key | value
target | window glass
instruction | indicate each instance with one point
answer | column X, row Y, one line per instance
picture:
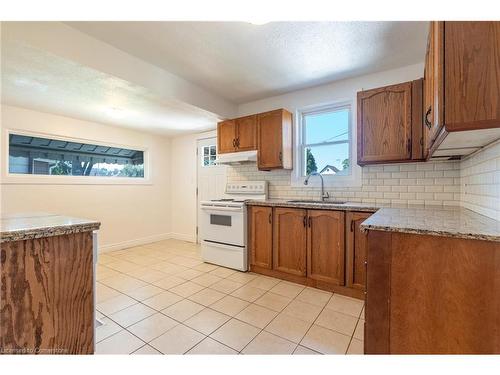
column 326, row 142
column 208, row 155
column 45, row 156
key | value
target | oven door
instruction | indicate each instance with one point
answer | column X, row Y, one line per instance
column 223, row 225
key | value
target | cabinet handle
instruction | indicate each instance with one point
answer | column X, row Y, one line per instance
column 270, row 218
column 280, row 156
column 238, row 142
column 426, row 119
column 304, row 221
column 234, row 143
column 352, row 225
column 310, row 221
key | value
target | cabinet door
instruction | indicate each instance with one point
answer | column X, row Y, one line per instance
column 384, row 124
column 325, row 246
column 246, row 138
column 226, row 136
column 261, row 236
column 289, row 250
column 472, row 75
column 356, row 250
column 270, row 140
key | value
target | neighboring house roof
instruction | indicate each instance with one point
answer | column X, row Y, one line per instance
column 329, row 168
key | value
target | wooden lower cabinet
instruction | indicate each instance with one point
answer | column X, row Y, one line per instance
column 325, row 246
column 432, row 295
column 356, row 250
column 260, row 229
column 289, row 250
column 308, row 247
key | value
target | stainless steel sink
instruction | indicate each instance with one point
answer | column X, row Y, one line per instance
column 316, row 201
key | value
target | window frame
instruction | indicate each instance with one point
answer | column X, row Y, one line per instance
column 18, row 178
column 351, row 179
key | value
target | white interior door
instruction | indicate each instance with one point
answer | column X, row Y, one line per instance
column 211, row 177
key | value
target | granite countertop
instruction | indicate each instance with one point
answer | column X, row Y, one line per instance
column 37, row 225
column 430, row 220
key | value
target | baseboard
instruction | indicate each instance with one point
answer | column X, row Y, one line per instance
column 135, row 242
column 183, row 237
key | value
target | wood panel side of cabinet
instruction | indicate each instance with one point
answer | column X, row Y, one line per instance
column 47, row 295
column 289, row 240
column 417, row 123
column 260, row 236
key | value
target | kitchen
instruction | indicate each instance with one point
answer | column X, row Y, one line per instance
column 358, row 214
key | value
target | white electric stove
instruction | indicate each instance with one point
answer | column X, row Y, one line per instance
column 223, row 225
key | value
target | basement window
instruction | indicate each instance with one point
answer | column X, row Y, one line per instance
column 30, row 155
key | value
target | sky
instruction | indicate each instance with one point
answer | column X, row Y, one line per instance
column 333, row 126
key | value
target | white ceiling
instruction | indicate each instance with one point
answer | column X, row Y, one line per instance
column 36, row 79
column 243, row 62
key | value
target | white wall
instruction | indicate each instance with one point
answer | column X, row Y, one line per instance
column 130, row 214
column 183, row 185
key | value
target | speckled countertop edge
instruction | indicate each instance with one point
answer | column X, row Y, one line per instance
column 25, row 232
column 465, row 223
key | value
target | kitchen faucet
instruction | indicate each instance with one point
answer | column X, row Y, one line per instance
column 324, row 194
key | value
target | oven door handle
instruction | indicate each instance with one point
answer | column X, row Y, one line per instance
column 216, row 208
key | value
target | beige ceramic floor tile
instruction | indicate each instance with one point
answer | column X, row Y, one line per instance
column 267, row 343
column 146, row 349
column 229, row 305
column 286, row 289
column 162, row 300
column 144, row 260
column 168, row 268
column 210, row 346
column 226, row 286
column 152, row 327
column 359, row 332
column 248, row 293
column 205, row 267
column 314, row 296
column 303, row 350
column 241, row 277
column 104, row 292
column 346, row 305
column 115, row 304
column 178, row 340
column 303, row 310
column 123, row 283
column 147, row 274
column 325, row 341
column 207, row 296
column 105, row 273
column 145, row 292
column 222, row 272
column 183, row 310
column 122, row 266
column 206, row 279
column 264, row 282
column 108, row 328
column 273, row 301
column 132, row 314
column 362, row 316
column 122, row 342
column 207, row 321
column 288, row 327
column 235, row 334
column 256, row 315
column 169, row 282
column 105, row 259
column 187, row 289
column 356, row 347
column 189, row 274
column 186, row 262
column 337, row 321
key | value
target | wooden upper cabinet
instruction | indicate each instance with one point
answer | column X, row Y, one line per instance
column 356, row 250
column 246, row 137
column 226, row 136
column 274, row 140
column 385, row 124
column 325, row 246
column 471, row 75
column 261, row 236
column 289, row 250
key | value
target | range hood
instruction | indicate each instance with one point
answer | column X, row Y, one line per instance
column 237, row 157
